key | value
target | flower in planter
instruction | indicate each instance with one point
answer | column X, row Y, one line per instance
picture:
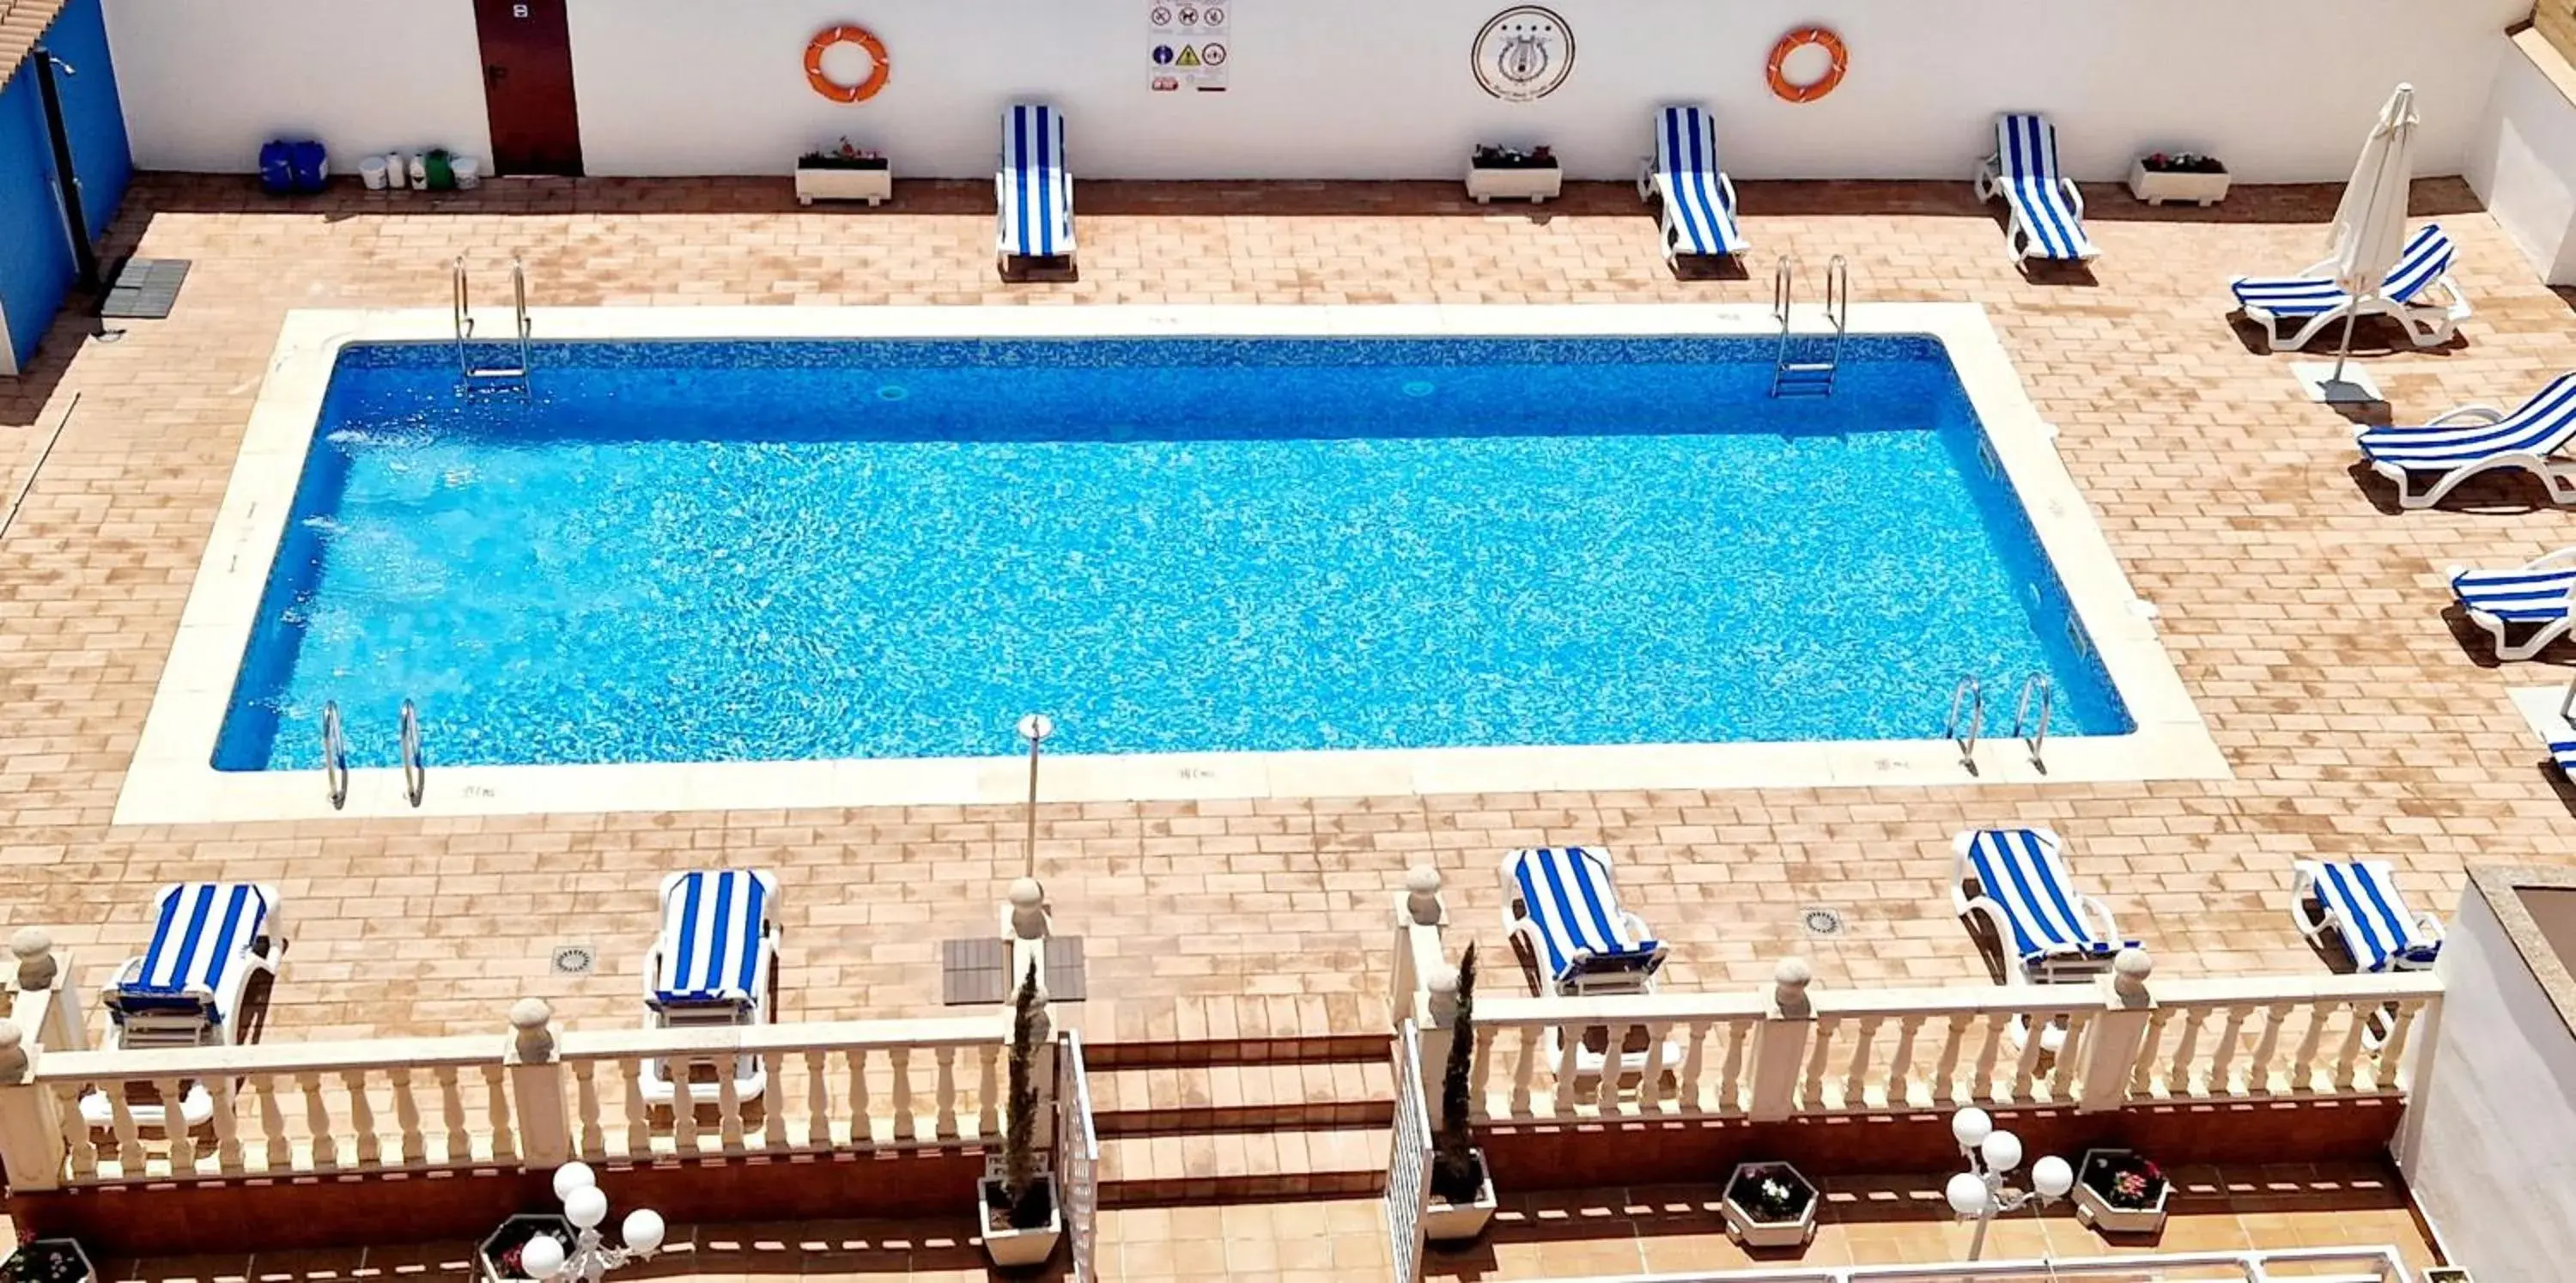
column 844, row 156
column 2184, row 162
column 1771, row 1192
column 46, row 1262
column 2125, row 1181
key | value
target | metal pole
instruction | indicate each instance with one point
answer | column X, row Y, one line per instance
column 2344, row 353
column 1977, row 1245
column 1034, row 728
column 84, row 255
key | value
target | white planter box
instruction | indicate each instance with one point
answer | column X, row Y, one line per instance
column 1532, row 185
column 1016, row 1249
column 1445, row 1222
column 2156, row 189
column 2096, row 1211
column 1741, row 1226
column 870, row 185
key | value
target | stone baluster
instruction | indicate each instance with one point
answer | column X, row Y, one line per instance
column 537, row 1085
column 31, row 1135
column 2115, row 1045
column 1780, row 1041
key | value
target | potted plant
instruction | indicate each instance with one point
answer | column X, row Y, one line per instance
column 1514, row 174
column 2118, row 1192
column 843, row 173
column 498, row 1259
column 2180, row 175
column 1021, row 1219
column 1769, row 1205
column 1462, row 1189
column 50, row 1260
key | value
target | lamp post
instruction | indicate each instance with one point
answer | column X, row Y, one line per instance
column 1034, row 728
column 1979, row 1193
column 586, row 1259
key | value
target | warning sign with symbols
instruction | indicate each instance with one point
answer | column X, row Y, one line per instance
column 1190, row 44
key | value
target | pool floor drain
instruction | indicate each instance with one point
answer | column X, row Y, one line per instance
column 1821, row 922
column 575, row 959
column 1419, row 388
column 892, row 392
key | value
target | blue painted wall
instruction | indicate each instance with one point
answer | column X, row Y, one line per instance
column 36, row 263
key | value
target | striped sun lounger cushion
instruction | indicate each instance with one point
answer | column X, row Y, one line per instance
column 2516, row 596
column 2544, row 425
column 1570, row 900
column 2426, row 259
column 1687, row 172
column 2028, row 151
column 2563, row 754
column 1036, row 217
column 2361, row 899
column 712, row 925
column 201, row 930
column 2019, row 870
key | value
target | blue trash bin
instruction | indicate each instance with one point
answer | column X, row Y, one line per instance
column 311, row 165
column 277, row 168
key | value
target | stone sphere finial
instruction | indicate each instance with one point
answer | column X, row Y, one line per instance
column 1422, row 895
column 2129, row 971
column 34, row 947
column 1443, row 986
column 530, row 1017
column 13, row 1054
column 1028, row 909
column 1789, row 981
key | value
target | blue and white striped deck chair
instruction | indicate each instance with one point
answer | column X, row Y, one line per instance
column 2525, row 608
column 2360, row 903
column 1033, row 190
column 2021, row 889
column 715, row 964
column 2479, row 438
column 1696, row 199
column 1563, row 907
column 2047, row 211
column 2419, row 292
column 208, row 940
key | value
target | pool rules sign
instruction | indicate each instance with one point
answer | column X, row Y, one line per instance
column 1190, row 44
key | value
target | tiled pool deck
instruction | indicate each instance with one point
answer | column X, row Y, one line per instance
column 2304, row 613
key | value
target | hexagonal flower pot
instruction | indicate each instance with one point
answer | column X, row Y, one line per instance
column 50, row 1260
column 1769, row 1205
column 497, row 1261
column 2117, row 1192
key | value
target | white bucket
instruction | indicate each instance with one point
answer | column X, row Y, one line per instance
column 469, row 172
column 419, row 170
column 371, row 171
column 396, row 173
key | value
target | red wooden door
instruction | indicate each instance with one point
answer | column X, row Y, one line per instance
column 527, row 86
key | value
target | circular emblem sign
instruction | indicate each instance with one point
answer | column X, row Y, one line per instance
column 1523, row 53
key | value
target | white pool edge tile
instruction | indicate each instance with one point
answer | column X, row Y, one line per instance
column 172, row 780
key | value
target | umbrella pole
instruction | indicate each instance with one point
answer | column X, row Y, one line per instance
column 2343, row 354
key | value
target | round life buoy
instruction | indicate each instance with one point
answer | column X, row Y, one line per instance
column 1791, row 91
column 878, row 72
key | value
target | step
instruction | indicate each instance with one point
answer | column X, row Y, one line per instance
column 1171, row 1099
column 1155, row 1171
column 1235, row 1030
column 1287, row 1049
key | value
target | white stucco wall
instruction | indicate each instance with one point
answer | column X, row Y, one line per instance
column 207, row 81
column 2489, row 1146
column 2522, row 162
column 2282, row 89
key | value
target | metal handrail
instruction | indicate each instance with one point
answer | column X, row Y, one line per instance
column 2036, row 738
column 415, row 767
column 464, row 316
column 1782, row 281
column 519, row 304
column 335, row 755
column 1970, row 693
column 1838, row 301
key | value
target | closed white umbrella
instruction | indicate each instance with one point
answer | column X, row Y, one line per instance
column 2370, row 224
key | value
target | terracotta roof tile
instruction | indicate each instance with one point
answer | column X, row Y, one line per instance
column 21, row 23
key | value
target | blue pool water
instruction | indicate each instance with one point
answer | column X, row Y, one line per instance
column 723, row 551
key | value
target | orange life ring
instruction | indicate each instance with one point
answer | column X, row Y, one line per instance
column 835, row 90
column 1792, row 91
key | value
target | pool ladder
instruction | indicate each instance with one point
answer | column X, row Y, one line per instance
column 2031, row 715
column 335, row 756
column 464, row 313
column 1809, row 377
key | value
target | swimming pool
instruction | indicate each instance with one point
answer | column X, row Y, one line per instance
column 729, row 551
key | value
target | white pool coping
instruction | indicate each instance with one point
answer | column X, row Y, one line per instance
column 172, row 780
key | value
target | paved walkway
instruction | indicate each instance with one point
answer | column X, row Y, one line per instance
column 2305, row 614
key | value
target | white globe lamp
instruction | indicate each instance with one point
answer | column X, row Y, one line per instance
column 586, row 1207
column 642, row 1231
column 1966, row 1194
column 2052, row 1176
column 573, row 1176
column 2002, row 1152
column 543, row 1257
column 1970, row 1127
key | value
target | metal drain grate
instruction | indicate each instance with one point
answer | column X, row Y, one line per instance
column 144, row 289
column 1821, row 922
column 974, row 972
column 575, row 959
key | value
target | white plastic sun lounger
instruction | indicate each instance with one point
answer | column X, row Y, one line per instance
column 208, row 940
column 715, row 964
column 2419, row 292
column 2021, row 888
column 2525, row 608
column 2360, row 903
column 2479, row 438
column 2047, row 212
column 1696, row 200
column 1561, row 905
column 1033, row 191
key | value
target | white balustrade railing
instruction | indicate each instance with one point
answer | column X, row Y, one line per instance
column 2086, row 1046
column 2373, row 1264
column 92, row 1117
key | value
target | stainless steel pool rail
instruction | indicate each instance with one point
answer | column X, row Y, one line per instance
column 464, row 317
column 1809, row 378
column 415, row 767
column 2034, row 736
column 335, row 756
column 1968, row 697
